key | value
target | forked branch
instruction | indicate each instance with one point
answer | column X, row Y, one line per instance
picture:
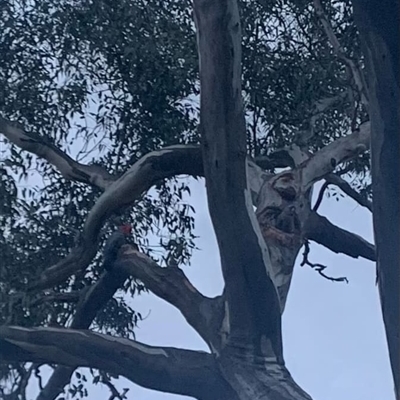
column 171, row 285
column 252, row 300
column 150, row 169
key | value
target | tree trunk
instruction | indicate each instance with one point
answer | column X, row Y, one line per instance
column 379, row 25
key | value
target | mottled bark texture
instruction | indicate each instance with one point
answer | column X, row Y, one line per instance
column 379, row 26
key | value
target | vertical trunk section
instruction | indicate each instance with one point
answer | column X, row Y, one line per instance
column 379, row 25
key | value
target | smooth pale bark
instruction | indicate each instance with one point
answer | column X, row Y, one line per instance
column 379, row 25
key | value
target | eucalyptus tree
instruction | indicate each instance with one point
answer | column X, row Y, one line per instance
column 100, row 101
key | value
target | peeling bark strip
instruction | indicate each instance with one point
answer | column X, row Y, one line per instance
column 252, row 298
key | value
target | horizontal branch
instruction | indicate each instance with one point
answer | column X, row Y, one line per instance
column 171, row 285
column 70, row 169
column 320, row 230
column 98, row 176
column 177, row 371
column 343, row 149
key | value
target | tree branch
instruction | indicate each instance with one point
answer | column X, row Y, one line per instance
column 320, row 268
column 347, row 189
column 149, row 170
column 333, row 179
column 171, row 285
column 70, row 169
column 254, row 311
column 339, row 51
column 153, row 167
column 97, row 176
column 320, row 196
column 205, row 315
column 343, row 149
column 322, row 231
column 177, row 371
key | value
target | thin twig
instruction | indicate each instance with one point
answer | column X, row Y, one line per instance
column 320, row 268
column 320, row 196
column 358, row 76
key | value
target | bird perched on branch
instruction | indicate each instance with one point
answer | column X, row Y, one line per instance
column 114, row 243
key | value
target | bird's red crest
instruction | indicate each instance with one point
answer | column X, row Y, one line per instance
column 126, row 229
